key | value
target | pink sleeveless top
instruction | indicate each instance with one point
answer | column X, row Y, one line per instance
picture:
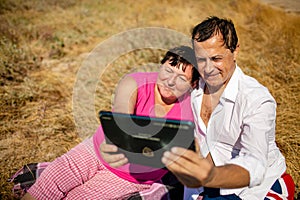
column 145, row 106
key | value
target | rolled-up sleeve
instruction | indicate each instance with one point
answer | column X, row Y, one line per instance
column 257, row 130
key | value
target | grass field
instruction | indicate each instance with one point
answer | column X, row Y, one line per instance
column 44, row 43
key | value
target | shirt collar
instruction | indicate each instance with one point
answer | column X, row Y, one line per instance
column 199, row 91
column 232, row 87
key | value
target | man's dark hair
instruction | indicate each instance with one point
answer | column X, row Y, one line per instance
column 213, row 26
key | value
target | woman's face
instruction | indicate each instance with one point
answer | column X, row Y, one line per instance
column 173, row 82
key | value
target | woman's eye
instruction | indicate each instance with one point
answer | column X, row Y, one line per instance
column 169, row 70
column 182, row 78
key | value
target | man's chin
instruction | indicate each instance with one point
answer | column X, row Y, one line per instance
column 213, row 86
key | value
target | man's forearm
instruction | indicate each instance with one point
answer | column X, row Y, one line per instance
column 229, row 176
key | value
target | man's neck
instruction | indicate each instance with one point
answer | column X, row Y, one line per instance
column 214, row 92
column 210, row 100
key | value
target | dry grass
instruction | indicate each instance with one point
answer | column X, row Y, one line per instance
column 43, row 43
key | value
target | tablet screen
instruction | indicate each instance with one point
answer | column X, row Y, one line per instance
column 143, row 139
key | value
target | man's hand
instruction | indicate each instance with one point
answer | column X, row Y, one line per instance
column 188, row 166
column 114, row 160
column 193, row 170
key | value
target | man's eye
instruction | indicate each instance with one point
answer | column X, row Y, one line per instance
column 216, row 59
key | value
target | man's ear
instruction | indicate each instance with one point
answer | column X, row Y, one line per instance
column 236, row 52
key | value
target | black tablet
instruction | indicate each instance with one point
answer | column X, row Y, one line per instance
column 143, row 139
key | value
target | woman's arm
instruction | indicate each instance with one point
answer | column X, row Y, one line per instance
column 125, row 96
column 124, row 102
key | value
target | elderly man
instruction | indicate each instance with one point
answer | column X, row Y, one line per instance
column 235, row 117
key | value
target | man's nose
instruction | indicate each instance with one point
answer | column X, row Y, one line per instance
column 209, row 66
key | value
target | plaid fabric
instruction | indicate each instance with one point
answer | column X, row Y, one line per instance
column 79, row 174
column 170, row 188
column 25, row 177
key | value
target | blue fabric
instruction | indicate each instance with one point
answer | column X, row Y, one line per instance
column 214, row 194
column 222, row 197
column 277, row 187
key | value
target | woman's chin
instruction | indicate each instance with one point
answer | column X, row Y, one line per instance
column 169, row 98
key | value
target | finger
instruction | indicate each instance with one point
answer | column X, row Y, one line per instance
column 168, row 158
column 119, row 162
column 108, row 148
column 176, row 168
column 197, row 147
column 112, row 158
column 177, row 155
column 182, row 152
column 180, row 159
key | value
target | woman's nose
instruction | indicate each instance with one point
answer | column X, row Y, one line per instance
column 172, row 80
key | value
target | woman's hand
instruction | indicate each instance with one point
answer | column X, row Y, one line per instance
column 108, row 153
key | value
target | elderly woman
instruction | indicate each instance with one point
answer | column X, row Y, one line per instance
column 85, row 173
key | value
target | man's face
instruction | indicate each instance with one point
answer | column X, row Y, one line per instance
column 215, row 62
